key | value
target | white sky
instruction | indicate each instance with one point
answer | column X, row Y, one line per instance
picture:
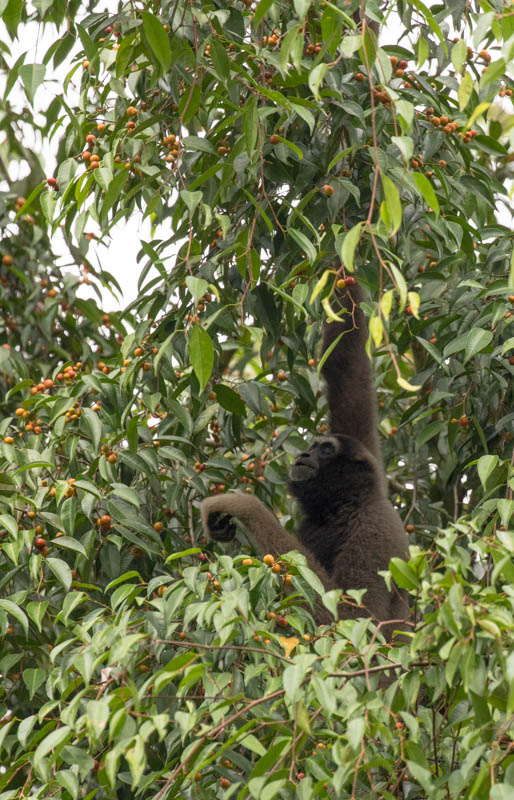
column 125, row 239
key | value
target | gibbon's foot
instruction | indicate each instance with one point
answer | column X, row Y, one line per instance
column 221, row 527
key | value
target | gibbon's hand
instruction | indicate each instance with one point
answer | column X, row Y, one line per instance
column 221, row 527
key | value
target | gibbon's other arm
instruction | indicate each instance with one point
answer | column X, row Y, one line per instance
column 351, row 393
column 266, row 533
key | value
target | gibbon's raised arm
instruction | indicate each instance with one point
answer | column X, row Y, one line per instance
column 351, row 394
column 266, row 533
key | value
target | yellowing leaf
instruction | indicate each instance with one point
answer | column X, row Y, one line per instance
column 386, row 303
column 289, row 644
column 409, row 387
column 329, row 312
column 321, row 284
column 465, row 90
column 414, row 301
column 376, row 328
column 479, row 110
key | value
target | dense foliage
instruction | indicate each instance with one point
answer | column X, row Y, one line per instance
column 277, row 149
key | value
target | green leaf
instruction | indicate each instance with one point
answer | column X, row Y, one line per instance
column 33, row 679
column 403, row 575
column 426, row 190
column 261, row 10
column 432, row 22
column 200, row 144
column 400, row 284
column 61, row 571
column 391, row 207
column 229, row 400
column 355, row 730
column 250, row 125
column 349, row 245
column 47, row 745
column 505, row 510
column 305, row 244
column 429, row 431
column 423, row 51
column 301, row 8
column 126, row 493
column 113, row 192
column 157, row 39
column 70, row 544
column 93, row 425
column 36, row 612
column 16, row 612
column 404, row 144
column 201, row 354
column 136, row 758
column 459, row 54
column 485, row 467
column 197, row 286
column 11, row 15
column 191, row 199
column 220, row 59
column 10, row 524
column 495, row 70
column 7, row 485
column 69, row 781
column 316, row 78
column 32, row 76
column 476, row 341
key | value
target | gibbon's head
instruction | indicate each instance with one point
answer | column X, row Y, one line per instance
column 334, row 466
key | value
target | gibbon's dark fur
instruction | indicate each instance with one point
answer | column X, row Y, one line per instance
column 349, row 529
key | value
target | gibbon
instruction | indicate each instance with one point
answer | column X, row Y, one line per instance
column 350, row 530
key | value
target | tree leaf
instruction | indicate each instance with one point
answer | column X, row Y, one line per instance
column 305, row 244
column 16, row 612
column 349, row 245
column 427, row 192
column 476, row 341
column 229, row 399
column 201, row 353
column 485, row 467
column 459, row 54
column 33, row 679
column 391, row 207
column 32, row 76
column 93, row 425
column 465, row 90
column 61, row 571
column 261, row 10
column 47, row 745
column 316, row 78
column 376, row 329
column 403, row 575
column 157, row 39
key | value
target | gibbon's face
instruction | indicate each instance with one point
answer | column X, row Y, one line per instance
column 320, row 454
column 333, row 461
